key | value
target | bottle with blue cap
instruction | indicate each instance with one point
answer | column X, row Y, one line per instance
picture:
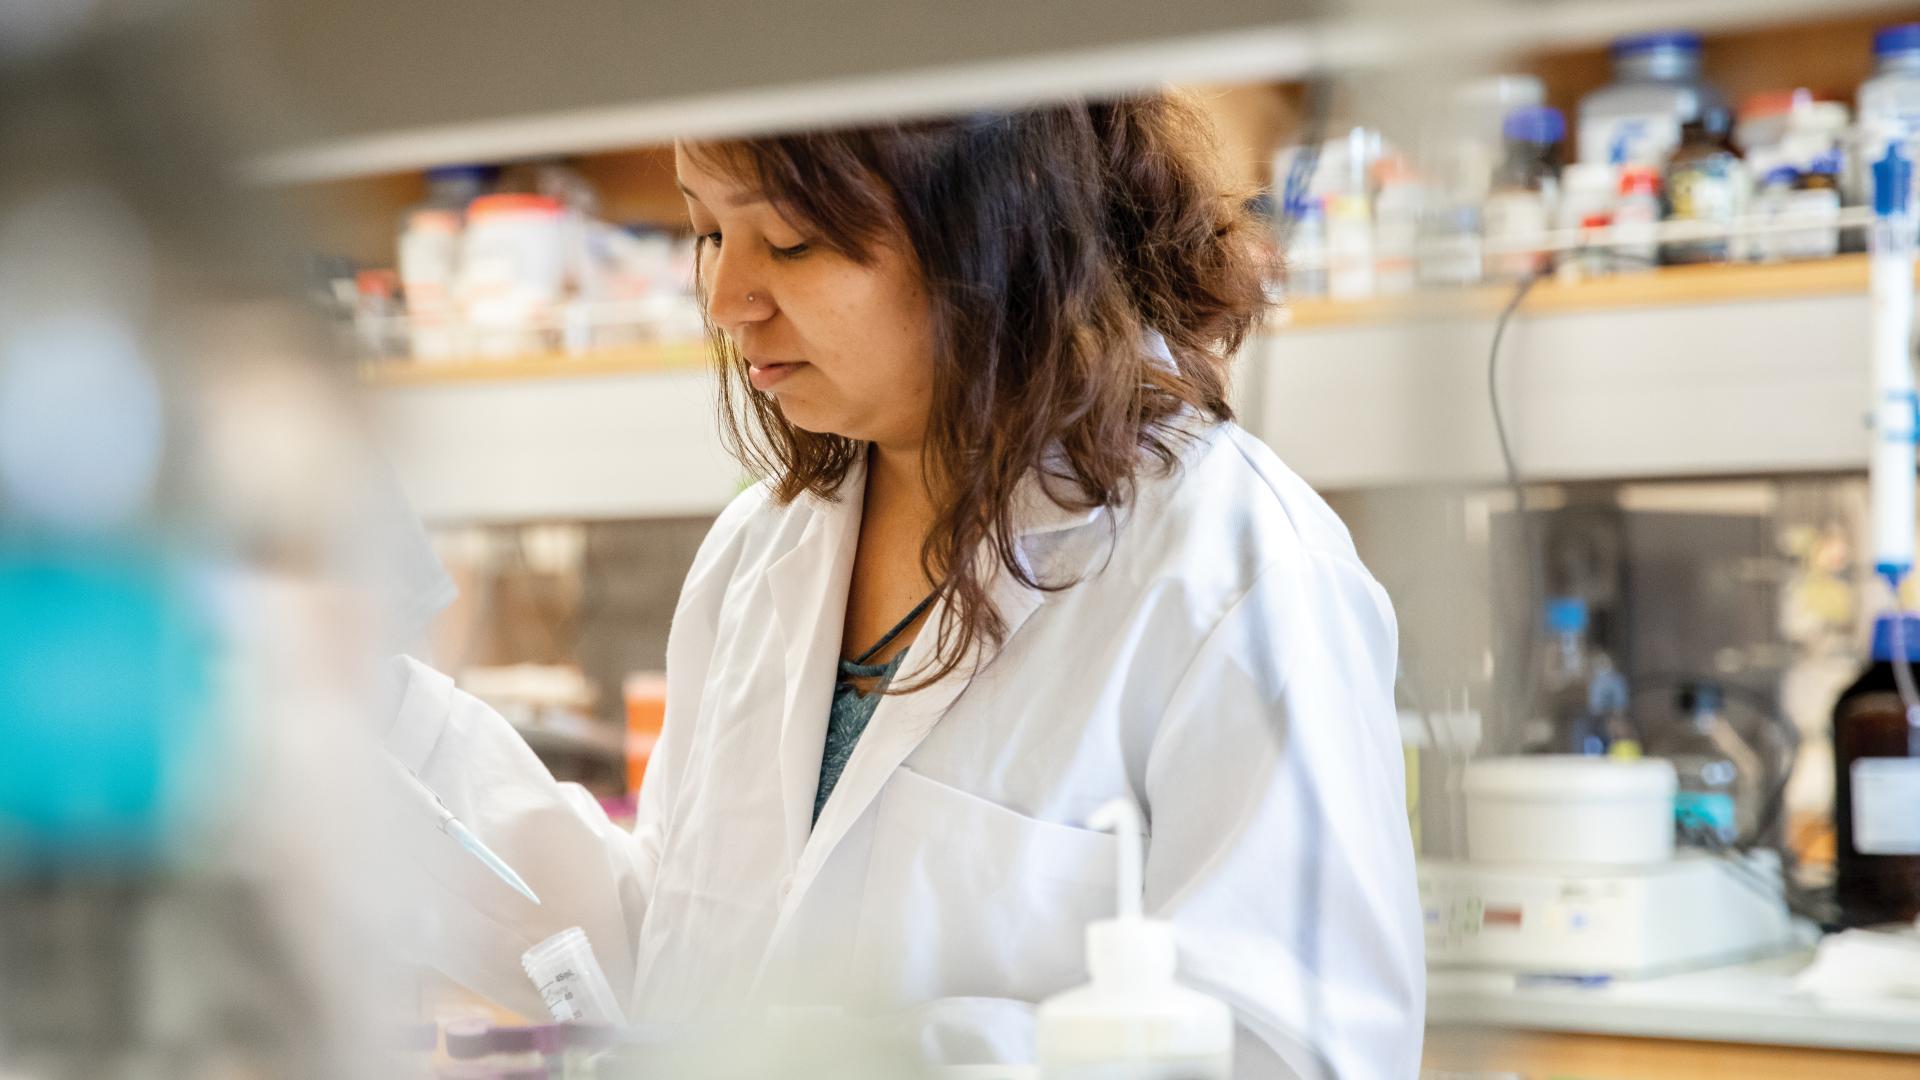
column 1656, row 89
column 1889, row 101
column 1581, row 699
column 1876, row 799
column 1525, row 192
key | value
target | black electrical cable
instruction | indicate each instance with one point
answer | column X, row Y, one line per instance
column 1520, row 705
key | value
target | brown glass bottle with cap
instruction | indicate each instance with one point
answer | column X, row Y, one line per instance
column 1876, row 776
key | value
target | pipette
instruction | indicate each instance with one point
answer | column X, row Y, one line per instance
column 465, row 837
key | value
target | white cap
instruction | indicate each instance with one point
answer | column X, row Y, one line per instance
column 1129, row 947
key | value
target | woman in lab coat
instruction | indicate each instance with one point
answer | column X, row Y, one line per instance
column 1010, row 559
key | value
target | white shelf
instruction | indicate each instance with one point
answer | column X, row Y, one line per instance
column 1662, row 380
column 1688, row 373
column 587, row 446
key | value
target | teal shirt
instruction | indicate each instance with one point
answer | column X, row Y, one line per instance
column 847, row 717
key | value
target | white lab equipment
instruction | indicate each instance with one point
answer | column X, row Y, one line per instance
column 1656, row 88
column 1624, row 921
column 1132, row 1021
column 1568, row 809
column 571, row 981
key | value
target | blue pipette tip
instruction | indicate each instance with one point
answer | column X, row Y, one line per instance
column 494, row 862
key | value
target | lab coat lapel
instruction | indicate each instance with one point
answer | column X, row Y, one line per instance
column 902, row 721
column 809, row 590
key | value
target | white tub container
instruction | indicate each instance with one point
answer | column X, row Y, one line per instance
column 1569, row 810
column 513, row 273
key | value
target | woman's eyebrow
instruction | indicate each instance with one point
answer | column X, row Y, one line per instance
column 738, row 199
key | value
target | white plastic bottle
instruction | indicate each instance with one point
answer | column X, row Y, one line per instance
column 1890, row 99
column 1132, row 1021
column 1656, row 88
column 1396, row 230
column 1349, row 248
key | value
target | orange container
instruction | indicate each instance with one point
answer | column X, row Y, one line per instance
column 646, row 696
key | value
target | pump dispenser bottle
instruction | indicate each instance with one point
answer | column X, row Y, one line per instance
column 1132, row 1021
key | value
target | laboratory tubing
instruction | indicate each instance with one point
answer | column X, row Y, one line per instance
column 1132, row 1020
column 1891, row 468
column 571, row 981
column 1656, row 88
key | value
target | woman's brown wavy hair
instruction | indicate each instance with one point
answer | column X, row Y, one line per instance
column 1050, row 240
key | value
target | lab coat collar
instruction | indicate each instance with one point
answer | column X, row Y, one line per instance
column 809, row 586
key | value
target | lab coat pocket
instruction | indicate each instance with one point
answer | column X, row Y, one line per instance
column 966, row 898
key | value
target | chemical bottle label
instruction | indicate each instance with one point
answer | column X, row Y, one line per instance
column 1886, row 806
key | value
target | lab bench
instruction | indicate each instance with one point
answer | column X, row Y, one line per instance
column 1740, row 1021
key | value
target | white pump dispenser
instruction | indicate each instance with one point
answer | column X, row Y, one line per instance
column 1132, row 1021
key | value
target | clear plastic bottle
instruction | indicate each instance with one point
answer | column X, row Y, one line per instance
column 1890, row 99
column 1707, row 185
column 1582, row 697
column 1564, row 724
column 1526, row 192
column 1656, row 88
column 1449, row 251
column 1815, row 209
column 1773, row 208
column 1719, row 798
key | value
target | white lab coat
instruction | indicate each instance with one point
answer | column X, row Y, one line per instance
column 1227, row 663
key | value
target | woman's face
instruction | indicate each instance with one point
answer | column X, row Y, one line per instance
column 843, row 348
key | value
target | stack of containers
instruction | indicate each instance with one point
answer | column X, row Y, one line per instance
column 1655, row 144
